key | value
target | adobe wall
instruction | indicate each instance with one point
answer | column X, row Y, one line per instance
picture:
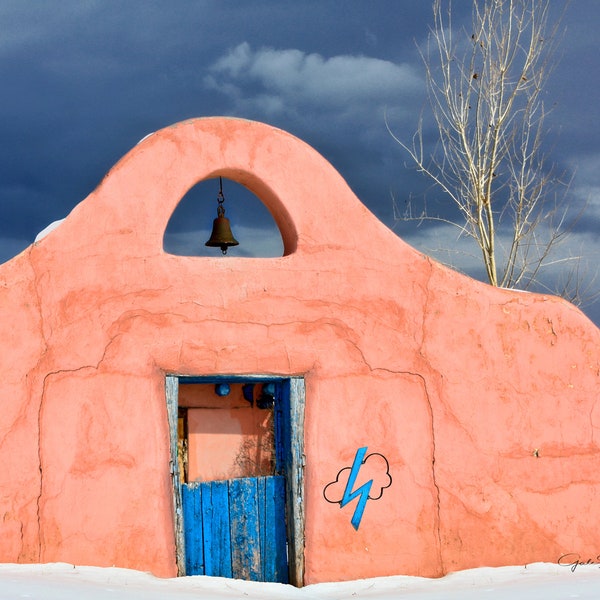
column 483, row 402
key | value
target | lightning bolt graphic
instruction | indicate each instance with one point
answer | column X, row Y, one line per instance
column 362, row 492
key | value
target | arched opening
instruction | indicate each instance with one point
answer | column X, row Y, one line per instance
column 251, row 222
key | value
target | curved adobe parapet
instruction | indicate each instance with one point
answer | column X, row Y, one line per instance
column 308, row 199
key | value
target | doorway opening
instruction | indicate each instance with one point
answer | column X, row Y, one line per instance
column 237, row 469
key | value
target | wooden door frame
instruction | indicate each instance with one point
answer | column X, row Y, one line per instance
column 293, row 462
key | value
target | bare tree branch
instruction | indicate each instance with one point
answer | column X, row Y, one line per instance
column 485, row 90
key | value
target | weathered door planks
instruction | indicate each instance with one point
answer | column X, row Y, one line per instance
column 239, row 528
column 246, row 553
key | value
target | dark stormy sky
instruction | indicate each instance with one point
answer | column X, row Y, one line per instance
column 84, row 80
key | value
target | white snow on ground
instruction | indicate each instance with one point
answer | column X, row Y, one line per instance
column 61, row 581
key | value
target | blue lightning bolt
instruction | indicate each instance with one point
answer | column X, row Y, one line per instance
column 362, row 492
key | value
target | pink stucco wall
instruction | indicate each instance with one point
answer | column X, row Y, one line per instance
column 483, row 401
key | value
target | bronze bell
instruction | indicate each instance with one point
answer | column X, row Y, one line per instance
column 221, row 236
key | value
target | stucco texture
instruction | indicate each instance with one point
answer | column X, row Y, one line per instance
column 483, row 401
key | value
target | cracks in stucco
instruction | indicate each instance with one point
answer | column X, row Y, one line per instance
column 21, row 536
column 41, row 486
column 438, row 531
column 425, row 307
column 434, row 480
column 38, row 306
column 39, row 447
column 438, row 525
column 45, row 334
column 38, row 302
column 41, row 469
column 554, row 336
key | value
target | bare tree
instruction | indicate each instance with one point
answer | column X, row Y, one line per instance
column 485, row 89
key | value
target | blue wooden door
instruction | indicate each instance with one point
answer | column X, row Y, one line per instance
column 236, row 528
column 253, row 527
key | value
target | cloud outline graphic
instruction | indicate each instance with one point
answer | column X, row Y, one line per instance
column 330, row 491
